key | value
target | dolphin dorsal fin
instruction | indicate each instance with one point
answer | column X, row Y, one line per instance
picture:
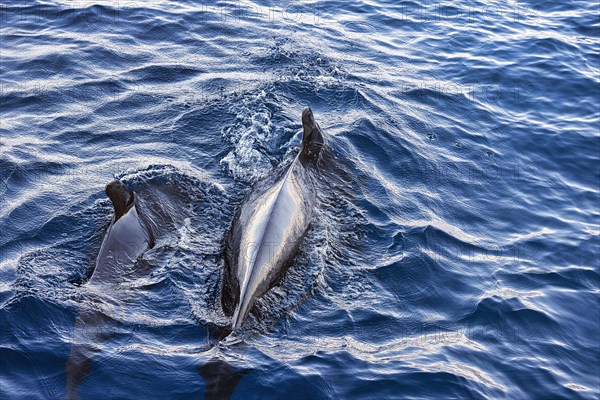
column 312, row 137
column 120, row 196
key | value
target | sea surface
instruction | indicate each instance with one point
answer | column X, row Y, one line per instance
column 455, row 245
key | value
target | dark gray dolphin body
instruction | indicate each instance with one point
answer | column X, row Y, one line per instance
column 269, row 227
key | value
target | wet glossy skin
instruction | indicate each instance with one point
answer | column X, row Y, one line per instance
column 125, row 240
column 273, row 226
column 269, row 228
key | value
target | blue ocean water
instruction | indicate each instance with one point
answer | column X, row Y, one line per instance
column 455, row 249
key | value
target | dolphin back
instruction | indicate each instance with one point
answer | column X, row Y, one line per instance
column 125, row 240
column 127, row 237
column 268, row 228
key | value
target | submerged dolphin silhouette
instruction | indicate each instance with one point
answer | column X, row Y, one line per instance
column 269, row 227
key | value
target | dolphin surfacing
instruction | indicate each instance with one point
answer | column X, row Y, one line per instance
column 269, row 227
column 127, row 238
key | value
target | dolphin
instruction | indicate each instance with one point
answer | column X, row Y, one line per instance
column 127, row 238
column 269, row 226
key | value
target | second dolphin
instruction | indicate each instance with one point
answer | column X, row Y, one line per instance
column 269, row 227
